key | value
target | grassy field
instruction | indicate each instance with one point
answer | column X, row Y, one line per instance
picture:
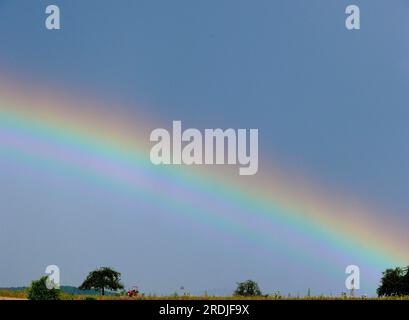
column 13, row 294
column 64, row 296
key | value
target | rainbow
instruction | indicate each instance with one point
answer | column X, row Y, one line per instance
column 281, row 213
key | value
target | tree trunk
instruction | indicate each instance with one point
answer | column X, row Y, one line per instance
column 103, row 291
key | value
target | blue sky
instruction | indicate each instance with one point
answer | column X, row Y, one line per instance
column 328, row 102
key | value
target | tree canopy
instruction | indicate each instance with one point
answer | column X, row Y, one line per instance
column 247, row 288
column 394, row 282
column 101, row 279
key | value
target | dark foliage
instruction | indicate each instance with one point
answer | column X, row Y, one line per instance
column 39, row 291
column 101, row 279
column 394, row 282
column 247, row 288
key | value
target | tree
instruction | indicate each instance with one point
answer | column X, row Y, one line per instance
column 39, row 291
column 247, row 288
column 101, row 279
column 394, row 282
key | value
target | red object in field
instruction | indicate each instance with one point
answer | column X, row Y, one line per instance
column 133, row 292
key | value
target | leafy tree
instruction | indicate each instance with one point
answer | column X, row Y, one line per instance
column 394, row 282
column 39, row 291
column 101, row 279
column 247, row 288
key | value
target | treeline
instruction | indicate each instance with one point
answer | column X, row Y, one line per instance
column 106, row 281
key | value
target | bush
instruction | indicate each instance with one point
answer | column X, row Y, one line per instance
column 39, row 291
column 247, row 289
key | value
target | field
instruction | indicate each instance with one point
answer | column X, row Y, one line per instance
column 23, row 295
column 13, row 294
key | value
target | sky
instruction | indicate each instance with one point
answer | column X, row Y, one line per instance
column 330, row 105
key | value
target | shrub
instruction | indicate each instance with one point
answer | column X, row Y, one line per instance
column 39, row 291
column 247, row 289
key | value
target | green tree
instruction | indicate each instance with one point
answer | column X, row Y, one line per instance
column 394, row 282
column 101, row 279
column 247, row 288
column 39, row 291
